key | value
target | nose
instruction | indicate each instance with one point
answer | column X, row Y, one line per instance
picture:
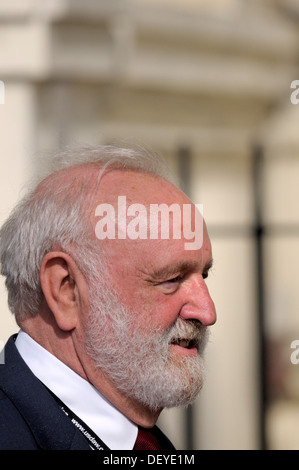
column 198, row 304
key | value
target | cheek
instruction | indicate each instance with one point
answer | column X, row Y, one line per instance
column 153, row 308
column 165, row 311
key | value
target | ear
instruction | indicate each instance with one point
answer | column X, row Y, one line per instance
column 59, row 277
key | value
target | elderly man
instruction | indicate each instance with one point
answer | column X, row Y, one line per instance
column 111, row 302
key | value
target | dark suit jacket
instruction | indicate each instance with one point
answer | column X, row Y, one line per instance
column 30, row 418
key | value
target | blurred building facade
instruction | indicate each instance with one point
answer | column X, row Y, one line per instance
column 206, row 84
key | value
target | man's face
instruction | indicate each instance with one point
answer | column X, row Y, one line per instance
column 154, row 318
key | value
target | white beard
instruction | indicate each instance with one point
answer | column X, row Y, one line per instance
column 137, row 359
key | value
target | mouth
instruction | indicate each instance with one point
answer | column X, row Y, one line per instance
column 185, row 343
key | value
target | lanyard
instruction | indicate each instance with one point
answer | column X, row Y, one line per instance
column 94, row 441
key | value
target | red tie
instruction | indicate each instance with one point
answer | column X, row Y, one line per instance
column 146, row 440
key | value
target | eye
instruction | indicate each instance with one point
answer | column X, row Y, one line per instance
column 175, row 279
column 171, row 285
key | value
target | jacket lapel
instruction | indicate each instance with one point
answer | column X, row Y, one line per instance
column 51, row 428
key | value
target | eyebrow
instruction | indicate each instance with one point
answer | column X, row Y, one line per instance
column 183, row 267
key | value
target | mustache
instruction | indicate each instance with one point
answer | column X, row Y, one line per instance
column 190, row 332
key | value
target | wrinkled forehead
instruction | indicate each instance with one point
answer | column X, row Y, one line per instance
column 128, row 255
column 141, row 207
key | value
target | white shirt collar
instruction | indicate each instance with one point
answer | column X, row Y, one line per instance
column 108, row 423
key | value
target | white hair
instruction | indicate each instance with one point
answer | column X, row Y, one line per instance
column 54, row 214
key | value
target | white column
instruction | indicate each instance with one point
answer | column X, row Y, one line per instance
column 17, row 126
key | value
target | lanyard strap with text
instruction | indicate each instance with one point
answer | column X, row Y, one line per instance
column 94, row 441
